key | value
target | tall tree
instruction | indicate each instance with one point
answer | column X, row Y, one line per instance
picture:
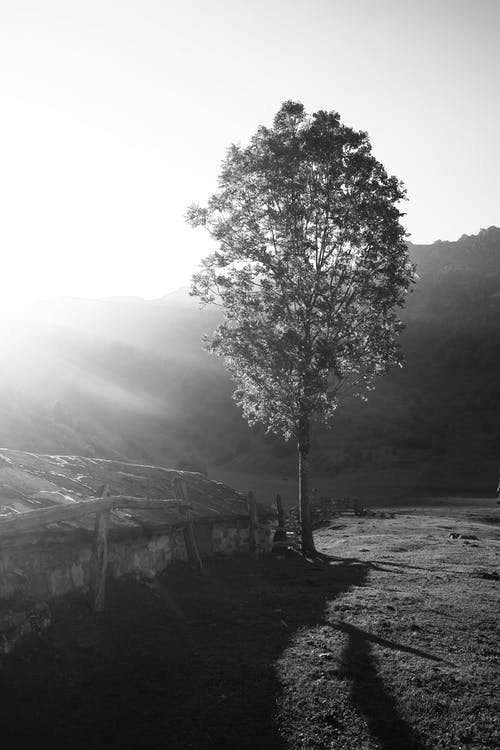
column 310, row 269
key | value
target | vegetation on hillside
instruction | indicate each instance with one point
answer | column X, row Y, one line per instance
column 130, row 379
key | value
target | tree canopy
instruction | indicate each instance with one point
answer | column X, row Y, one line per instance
column 310, row 269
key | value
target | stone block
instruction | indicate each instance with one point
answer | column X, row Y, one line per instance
column 39, row 587
column 84, row 554
column 59, row 582
column 77, row 576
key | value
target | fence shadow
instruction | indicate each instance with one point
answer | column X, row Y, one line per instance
column 186, row 662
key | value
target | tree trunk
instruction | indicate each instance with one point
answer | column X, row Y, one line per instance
column 303, row 445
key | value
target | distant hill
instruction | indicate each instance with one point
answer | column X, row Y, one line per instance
column 128, row 379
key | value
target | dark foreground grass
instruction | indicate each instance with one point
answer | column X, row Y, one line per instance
column 380, row 648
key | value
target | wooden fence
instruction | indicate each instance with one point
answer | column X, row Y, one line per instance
column 345, row 504
column 102, row 506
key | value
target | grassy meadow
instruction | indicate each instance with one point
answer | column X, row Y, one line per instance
column 390, row 644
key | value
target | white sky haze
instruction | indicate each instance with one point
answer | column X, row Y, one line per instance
column 115, row 115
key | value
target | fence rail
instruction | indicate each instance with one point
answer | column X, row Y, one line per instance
column 102, row 507
column 343, row 504
column 33, row 519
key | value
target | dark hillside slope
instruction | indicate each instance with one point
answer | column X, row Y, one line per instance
column 128, row 379
column 441, row 412
column 452, row 343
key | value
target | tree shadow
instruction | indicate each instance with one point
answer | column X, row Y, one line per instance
column 351, row 630
column 370, row 564
column 369, row 694
column 399, row 565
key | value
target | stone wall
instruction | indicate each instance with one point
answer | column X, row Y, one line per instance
column 25, row 621
column 230, row 539
column 44, row 568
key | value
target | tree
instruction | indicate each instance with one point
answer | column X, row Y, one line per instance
column 310, row 270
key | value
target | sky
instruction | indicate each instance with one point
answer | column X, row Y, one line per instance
column 115, row 115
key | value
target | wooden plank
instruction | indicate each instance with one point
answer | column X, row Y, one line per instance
column 253, row 526
column 99, row 560
column 145, row 503
column 181, row 491
column 190, row 541
column 33, row 519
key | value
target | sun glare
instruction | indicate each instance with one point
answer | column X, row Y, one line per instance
column 74, row 225
column 113, row 122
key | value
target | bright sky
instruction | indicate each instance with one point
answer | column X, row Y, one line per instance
column 115, row 115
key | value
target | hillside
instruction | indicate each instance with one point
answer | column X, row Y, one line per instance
column 128, row 379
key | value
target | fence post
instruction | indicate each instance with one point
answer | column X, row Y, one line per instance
column 279, row 538
column 181, row 491
column 253, row 526
column 281, row 515
column 99, row 563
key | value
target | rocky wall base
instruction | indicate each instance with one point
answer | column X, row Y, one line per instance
column 36, row 568
column 23, row 620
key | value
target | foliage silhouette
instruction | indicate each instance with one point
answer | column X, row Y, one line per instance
column 311, row 267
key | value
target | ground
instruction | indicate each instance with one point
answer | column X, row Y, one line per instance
column 391, row 644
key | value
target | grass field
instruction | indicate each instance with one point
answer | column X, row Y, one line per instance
column 392, row 644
